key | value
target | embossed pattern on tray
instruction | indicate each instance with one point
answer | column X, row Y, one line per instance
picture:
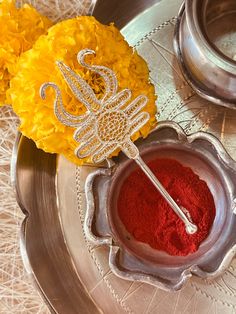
column 176, row 102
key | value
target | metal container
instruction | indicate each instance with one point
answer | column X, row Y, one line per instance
column 204, row 43
column 133, row 260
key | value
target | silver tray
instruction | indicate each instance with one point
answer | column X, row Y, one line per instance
column 72, row 274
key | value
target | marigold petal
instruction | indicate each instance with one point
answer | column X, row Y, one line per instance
column 20, row 28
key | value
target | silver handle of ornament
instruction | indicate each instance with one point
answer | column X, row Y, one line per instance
column 190, row 227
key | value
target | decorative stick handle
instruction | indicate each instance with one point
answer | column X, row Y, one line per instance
column 190, row 227
column 119, row 123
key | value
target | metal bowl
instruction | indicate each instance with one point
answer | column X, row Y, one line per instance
column 204, row 44
column 133, row 260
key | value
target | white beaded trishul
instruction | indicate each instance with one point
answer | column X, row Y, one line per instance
column 108, row 123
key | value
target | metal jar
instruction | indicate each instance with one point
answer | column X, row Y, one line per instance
column 205, row 46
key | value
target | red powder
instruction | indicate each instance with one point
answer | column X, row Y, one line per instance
column 148, row 217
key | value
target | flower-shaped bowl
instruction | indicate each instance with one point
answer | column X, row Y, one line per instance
column 133, row 260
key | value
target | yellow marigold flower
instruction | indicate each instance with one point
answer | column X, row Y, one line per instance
column 20, row 28
column 37, row 66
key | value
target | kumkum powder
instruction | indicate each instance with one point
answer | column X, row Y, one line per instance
column 147, row 216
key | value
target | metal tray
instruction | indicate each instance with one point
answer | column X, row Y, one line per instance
column 73, row 275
